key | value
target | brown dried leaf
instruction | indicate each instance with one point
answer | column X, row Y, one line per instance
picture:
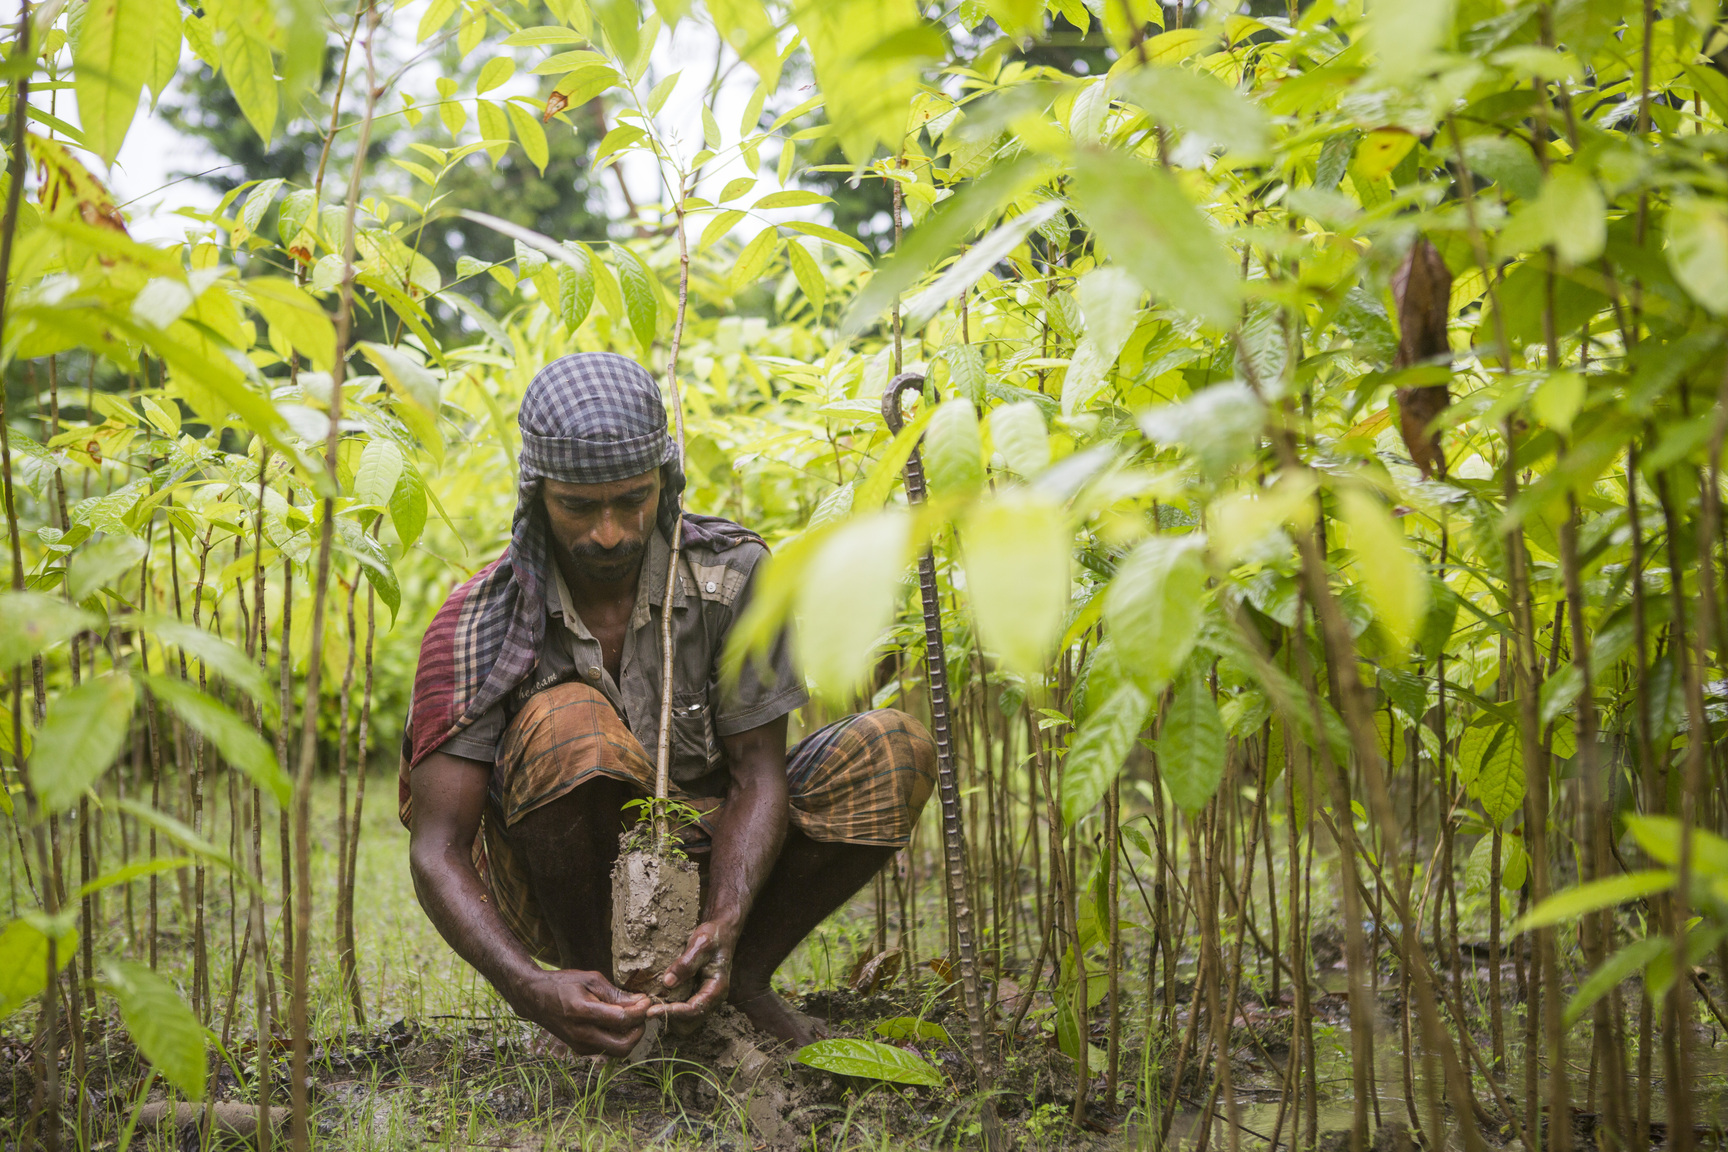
column 873, row 972
column 1422, row 289
column 555, row 104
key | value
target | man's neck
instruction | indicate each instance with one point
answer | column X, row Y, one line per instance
column 604, row 595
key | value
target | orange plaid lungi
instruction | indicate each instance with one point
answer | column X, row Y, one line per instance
column 861, row 780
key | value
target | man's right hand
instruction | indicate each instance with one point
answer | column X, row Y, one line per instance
column 585, row 1011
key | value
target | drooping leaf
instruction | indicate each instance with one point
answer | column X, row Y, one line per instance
column 220, row 656
column 243, row 31
column 31, row 622
column 1592, row 896
column 1623, row 965
column 953, row 451
column 1141, row 216
column 160, row 1023
column 84, row 731
column 408, row 506
column 1697, row 251
column 1191, row 745
column 295, row 314
column 1154, row 606
column 1017, row 577
column 871, row 1060
column 973, row 263
column 24, row 963
column 110, row 67
column 1018, row 433
column 1396, row 582
column 1101, row 747
column 641, row 300
column 239, row 743
column 380, row 468
column 858, row 565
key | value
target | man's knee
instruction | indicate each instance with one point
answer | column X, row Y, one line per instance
column 905, row 737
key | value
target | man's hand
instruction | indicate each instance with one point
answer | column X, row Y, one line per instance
column 709, row 956
column 585, row 1011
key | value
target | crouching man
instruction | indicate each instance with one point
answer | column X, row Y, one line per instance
column 537, row 704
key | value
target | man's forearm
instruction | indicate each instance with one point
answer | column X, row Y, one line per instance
column 457, row 903
column 747, row 842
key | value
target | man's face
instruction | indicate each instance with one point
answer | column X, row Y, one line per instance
column 603, row 528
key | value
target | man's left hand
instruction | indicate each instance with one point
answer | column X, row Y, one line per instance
column 708, row 957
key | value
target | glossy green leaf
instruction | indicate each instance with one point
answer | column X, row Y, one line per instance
column 408, row 506
column 1191, row 745
column 243, row 31
column 871, row 1060
column 1395, row 580
column 953, row 451
column 380, row 468
column 84, row 731
column 160, row 1023
column 531, row 135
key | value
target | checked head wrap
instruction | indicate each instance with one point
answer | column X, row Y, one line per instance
column 587, row 418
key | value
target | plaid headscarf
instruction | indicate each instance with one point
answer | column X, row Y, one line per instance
column 587, row 418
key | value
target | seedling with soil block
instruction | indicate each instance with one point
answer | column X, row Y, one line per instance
column 656, row 899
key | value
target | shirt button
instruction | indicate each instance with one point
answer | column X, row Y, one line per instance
column 593, row 673
column 711, row 586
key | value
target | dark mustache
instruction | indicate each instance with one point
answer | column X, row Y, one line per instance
column 617, row 556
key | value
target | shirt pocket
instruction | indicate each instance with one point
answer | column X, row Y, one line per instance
column 695, row 748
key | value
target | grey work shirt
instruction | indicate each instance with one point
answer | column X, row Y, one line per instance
column 711, row 593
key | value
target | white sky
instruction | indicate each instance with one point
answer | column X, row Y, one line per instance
column 144, row 176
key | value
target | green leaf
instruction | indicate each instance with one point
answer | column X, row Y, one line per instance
column 84, row 731
column 1623, row 965
column 959, row 276
column 292, row 311
column 1016, row 552
column 722, row 223
column 112, row 60
column 538, row 36
column 161, row 1024
column 24, row 963
column 1593, row 896
column 1142, row 218
column 494, row 128
column 1018, row 434
column 164, row 50
column 407, row 376
column 1576, row 213
column 496, row 73
column 239, row 743
column 243, row 31
column 946, row 226
column 1698, row 251
column 1660, row 837
column 408, row 506
column 1491, row 769
column 131, row 872
column 380, row 468
column 809, row 274
column 438, row 13
column 954, row 451
column 1200, row 104
column 530, row 133
column 641, row 298
column 98, row 565
column 883, row 474
column 1191, row 745
column 913, row 1028
column 1405, row 34
column 219, row 655
column 1395, row 581
column 791, row 198
column 182, row 835
column 1100, row 748
column 859, row 564
column 871, row 1060
column 1154, row 606
column 754, row 258
column 1110, row 302
column 576, row 288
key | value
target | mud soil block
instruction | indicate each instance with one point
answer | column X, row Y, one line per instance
column 656, row 902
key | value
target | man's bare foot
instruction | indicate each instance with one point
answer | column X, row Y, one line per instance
column 768, row 1012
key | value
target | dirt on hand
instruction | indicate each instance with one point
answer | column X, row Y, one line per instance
column 656, row 903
